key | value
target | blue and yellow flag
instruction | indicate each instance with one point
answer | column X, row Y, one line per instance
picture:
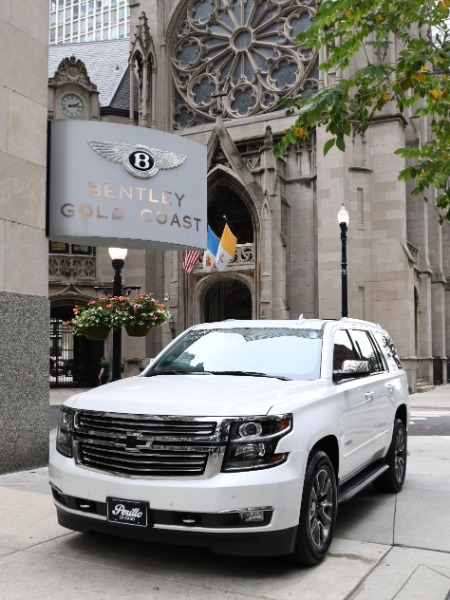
column 209, row 256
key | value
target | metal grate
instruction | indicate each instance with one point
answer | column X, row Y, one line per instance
column 114, row 424
column 145, row 463
column 144, row 446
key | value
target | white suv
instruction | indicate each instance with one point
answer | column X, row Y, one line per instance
column 241, row 436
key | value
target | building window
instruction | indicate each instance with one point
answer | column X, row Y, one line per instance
column 103, row 17
column 76, row 249
column 246, row 48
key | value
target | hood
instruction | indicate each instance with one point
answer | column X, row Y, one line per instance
column 193, row 395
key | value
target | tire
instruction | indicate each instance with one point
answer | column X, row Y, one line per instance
column 392, row 480
column 318, row 511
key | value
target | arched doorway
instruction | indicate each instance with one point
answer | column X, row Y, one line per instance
column 229, row 299
column 74, row 360
column 224, row 202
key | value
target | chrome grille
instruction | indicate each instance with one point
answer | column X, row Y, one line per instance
column 145, row 446
column 116, row 424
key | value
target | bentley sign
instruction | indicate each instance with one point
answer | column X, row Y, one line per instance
column 120, row 185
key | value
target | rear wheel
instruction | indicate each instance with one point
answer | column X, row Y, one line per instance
column 393, row 479
column 318, row 511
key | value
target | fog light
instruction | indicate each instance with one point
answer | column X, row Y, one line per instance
column 251, row 516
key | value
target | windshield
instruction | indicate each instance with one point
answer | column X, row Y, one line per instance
column 276, row 351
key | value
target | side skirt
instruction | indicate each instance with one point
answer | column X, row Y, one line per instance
column 360, row 481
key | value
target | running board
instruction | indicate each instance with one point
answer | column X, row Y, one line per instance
column 358, row 483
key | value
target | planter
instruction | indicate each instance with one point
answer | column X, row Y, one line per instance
column 97, row 334
column 137, row 330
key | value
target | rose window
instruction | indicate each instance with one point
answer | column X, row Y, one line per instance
column 239, row 57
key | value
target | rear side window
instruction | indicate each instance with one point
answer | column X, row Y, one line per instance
column 389, row 350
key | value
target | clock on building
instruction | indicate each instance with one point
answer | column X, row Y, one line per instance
column 72, row 105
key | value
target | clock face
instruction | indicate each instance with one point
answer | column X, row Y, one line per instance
column 72, row 105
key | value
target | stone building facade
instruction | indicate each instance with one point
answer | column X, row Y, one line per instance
column 215, row 71
column 23, row 246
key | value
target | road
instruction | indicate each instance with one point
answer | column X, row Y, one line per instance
column 429, row 422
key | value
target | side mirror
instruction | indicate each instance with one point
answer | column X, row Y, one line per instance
column 351, row 369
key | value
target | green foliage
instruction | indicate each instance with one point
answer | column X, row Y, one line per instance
column 417, row 83
column 119, row 311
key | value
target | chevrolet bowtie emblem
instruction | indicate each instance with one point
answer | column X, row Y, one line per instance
column 139, row 160
column 131, row 442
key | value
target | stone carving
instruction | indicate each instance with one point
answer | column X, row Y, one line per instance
column 248, row 45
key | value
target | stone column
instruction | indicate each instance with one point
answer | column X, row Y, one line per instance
column 24, row 308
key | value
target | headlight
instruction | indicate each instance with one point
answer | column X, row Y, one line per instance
column 253, row 441
column 64, row 432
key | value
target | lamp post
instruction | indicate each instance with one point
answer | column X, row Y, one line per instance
column 172, row 327
column 118, row 260
column 343, row 220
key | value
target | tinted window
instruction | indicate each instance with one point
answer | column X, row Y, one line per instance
column 367, row 350
column 389, row 350
column 343, row 350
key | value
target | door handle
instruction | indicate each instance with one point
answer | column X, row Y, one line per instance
column 369, row 396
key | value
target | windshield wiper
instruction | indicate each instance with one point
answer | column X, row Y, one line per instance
column 237, row 373
column 249, row 374
column 176, row 372
column 170, row 372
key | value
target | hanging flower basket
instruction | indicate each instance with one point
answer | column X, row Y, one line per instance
column 139, row 315
column 100, row 315
column 137, row 330
column 97, row 334
column 95, row 320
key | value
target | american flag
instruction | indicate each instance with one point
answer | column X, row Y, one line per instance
column 190, row 258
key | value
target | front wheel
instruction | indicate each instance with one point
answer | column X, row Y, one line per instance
column 318, row 511
column 392, row 481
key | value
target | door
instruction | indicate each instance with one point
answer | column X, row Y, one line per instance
column 355, row 398
column 229, row 299
column 74, row 360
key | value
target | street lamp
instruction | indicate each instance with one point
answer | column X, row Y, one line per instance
column 343, row 220
column 118, row 260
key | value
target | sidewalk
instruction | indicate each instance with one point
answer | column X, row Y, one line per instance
column 386, row 547
column 437, row 398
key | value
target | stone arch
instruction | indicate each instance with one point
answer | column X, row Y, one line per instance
column 142, row 66
column 225, row 281
column 238, row 204
column 81, row 354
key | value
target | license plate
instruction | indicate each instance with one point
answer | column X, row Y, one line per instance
column 127, row 512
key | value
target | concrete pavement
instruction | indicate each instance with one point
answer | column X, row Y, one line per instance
column 385, row 546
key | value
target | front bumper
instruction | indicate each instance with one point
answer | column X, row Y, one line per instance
column 210, row 506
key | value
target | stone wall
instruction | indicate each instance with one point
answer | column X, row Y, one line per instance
column 24, row 313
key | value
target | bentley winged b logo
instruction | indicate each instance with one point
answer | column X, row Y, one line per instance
column 139, row 160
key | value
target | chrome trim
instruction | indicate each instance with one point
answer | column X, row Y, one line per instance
column 246, row 509
column 156, row 446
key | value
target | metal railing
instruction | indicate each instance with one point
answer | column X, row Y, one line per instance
column 437, row 370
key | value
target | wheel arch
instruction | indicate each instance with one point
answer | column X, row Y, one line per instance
column 402, row 414
column 329, row 444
